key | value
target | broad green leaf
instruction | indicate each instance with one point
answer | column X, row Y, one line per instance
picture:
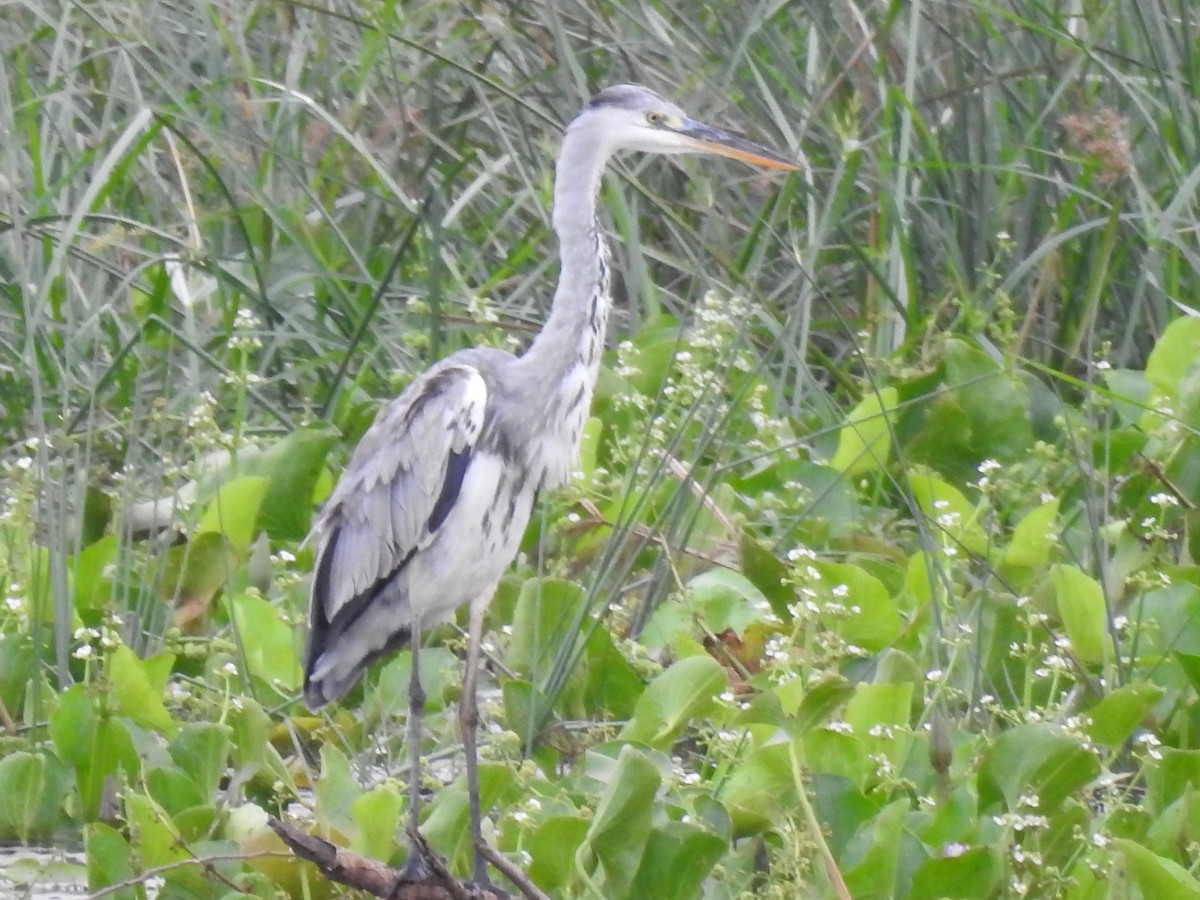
column 157, row 841
column 760, row 787
column 547, row 614
column 1116, row 717
column 546, row 620
column 196, row 571
column 1172, row 617
column 447, row 826
column 678, row 858
column 92, row 586
column 1175, row 352
column 617, row 836
column 1156, row 876
column 816, row 700
column 32, row 789
column 252, row 752
column 335, row 791
column 201, row 750
column 873, row 856
column 95, row 745
column 589, row 446
column 552, row 850
column 613, row 684
column 768, row 573
column 973, row 873
column 233, row 512
column 293, row 466
column 865, row 441
column 996, row 404
column 73, row 725
column 173, row 790
column 268, row 642
column 138, row 688
column 724, row 599
column 879, row 715
column 1084, row 613
column 871, row 619
column 684, row 691
column 1034, row 536
column 1036, row 758
column 952, row 515
column 109, row 861
column 377, row 814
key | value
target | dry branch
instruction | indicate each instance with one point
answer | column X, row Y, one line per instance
column 377, row 878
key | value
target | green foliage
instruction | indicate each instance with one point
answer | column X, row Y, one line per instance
column 880, row 575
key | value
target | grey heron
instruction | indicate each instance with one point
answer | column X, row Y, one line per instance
column 431, row 509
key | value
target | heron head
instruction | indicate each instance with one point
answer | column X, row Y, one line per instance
column 632, row 117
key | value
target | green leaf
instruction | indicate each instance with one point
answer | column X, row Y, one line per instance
column 201, row 750
column 589, row 446
column 251, row 750
column 1036, row 758
column 769, row 574
column 73, row 725
column 1034, row 536
column 546, row 615
column 92, row 586
column 109, row 861
column 995, row 404
column 1154, row 875
column 872, row 619
column 952, row 513
column 32, row 789
column 973, row 873
column 684, row 691
column 138, row 687
column 1116, row 716
column 233, row 512
column 677, row 859
column 293, row 466
column 197, row 570
column 335, row 791
column 1174, row 354
column 865, row 441
column 1084, row 613
column 617, row 836
column 377, row 815
column 613, row 684
column 268, row 642
column 725, row 599
column 873, row 857
column 447, row 826
column 760, row 787
column 95, row 745
column 879, row 715
column 552, row 850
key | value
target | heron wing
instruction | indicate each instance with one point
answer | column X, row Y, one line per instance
column 400, row 485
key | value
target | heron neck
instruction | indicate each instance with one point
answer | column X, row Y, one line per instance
column 574, row 332
column 558, row 372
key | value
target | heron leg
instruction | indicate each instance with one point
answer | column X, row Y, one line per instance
column 415, row 868
column 468, row 720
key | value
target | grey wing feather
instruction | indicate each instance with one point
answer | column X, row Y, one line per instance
column 398, row 488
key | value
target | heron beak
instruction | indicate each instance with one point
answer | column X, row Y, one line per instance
column 707, row 139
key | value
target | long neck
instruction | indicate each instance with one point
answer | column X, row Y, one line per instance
column 574, row 332
column 560, row 367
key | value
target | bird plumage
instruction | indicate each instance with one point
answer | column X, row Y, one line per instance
column 432, row 506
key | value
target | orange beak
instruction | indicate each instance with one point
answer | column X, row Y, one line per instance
column 707, row 139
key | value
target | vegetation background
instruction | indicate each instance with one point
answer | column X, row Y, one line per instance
column 880, row 578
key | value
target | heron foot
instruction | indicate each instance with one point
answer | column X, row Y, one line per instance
column 414, row 871
column 486, row 888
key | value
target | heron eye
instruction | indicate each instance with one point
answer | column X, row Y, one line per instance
column 654, row 118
